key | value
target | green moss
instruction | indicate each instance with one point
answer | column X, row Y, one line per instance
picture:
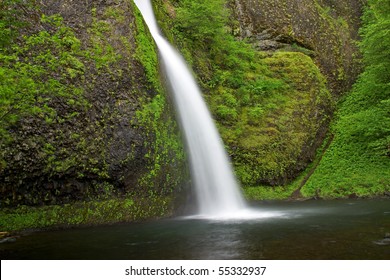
column 50, row 77
column 67, row 149
column 30, row 63
column 115, row 13
column 165, row 154
column 279, row 124
column 146, row 51
column 84, row 213
column 49, row 67
column 268, row 193
column 100, row 50
column 165, row 157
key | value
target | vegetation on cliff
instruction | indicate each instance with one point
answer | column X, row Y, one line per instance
column 328, row 29
column 84, row 120
column 104, row 211
column 357, row 162
column 272, row 109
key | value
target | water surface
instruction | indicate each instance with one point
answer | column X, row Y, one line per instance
column 345, row 229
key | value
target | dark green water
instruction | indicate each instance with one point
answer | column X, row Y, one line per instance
column 347, row 229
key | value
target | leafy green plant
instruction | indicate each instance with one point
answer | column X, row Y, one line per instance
column 358, row 160
column 201, row 21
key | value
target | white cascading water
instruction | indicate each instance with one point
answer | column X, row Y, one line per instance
column 218, row 194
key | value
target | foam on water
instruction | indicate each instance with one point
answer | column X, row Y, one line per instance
column 242, row 215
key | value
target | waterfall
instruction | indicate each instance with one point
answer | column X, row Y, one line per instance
column 217, row 192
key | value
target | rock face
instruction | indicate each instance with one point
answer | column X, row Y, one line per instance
column 101, row 142
column 328, row 29
column 101, row 125
column 275, row 114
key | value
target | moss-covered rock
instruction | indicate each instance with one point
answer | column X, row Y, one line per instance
column 281, row 132
column 107, row 211
column 326, row 27
column 92, row 77
column 272, row 108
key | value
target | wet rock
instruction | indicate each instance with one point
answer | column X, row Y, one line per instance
column 10, row 239
column 353, row 196
column 385, row 241
column 86, row 147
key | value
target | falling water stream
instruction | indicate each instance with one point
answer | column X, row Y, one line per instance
column 218, row 194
